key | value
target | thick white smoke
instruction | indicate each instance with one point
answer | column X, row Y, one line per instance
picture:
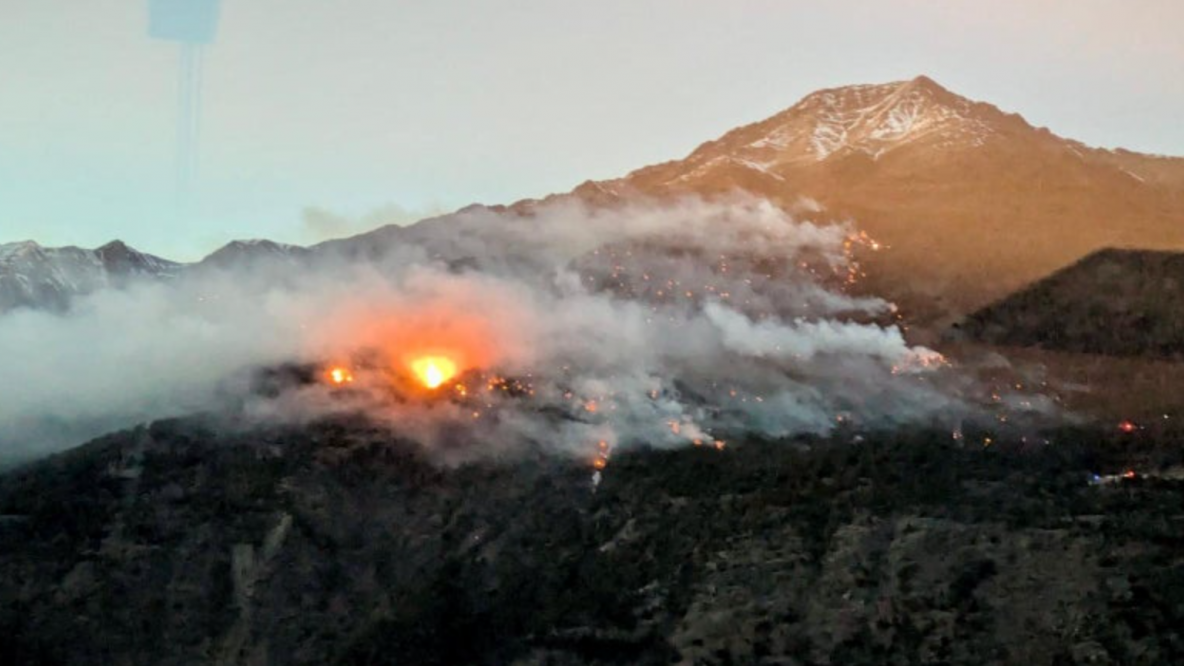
column 658, row 324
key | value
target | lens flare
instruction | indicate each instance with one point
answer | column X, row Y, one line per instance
column 432, row 371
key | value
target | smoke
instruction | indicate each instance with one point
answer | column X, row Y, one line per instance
column 574, row 329
column 319, row 224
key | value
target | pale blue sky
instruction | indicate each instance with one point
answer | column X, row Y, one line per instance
column 353, row 105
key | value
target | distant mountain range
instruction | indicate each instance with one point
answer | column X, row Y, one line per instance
column 44, row 277
column 32, row 276
column 969, row 203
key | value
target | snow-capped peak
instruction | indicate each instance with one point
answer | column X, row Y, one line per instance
column 875, row 119
column 11, row 251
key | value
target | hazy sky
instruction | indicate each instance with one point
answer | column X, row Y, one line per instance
column 356, row 105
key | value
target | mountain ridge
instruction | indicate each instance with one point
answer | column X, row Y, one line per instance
column 974, row 207
column 972, row 202
column 969, row 202
column 50, row 278
column 1113, row 302
column 32, row 275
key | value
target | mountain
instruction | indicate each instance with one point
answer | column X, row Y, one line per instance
column 32, row 276
column 968, row 203
column 48, row 278
column 828, row 125
column 254, row 253
column 337, row 543
column 1113, row 302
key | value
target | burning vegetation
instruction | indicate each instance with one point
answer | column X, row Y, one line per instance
column 556, row 328
column 340, row 375
column 433, row 371
column 666, row 327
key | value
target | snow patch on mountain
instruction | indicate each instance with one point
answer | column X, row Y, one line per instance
column 44, row 277
column 868, row 119
column 877, row 119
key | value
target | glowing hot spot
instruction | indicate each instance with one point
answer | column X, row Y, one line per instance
column 432, row 371
column 341, row 376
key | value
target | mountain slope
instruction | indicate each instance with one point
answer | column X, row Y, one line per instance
column 1114, row 302
column 48, row 278
column 256, row 253
column 969, row 202
column 336, row 543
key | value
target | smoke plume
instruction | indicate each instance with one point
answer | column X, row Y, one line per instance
column 572, row 329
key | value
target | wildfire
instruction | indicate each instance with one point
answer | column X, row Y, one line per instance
column 601, row 459
column 340, row 375
column 433, row 371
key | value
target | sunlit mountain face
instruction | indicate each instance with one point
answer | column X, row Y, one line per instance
column 968, row 202
column 965, row 202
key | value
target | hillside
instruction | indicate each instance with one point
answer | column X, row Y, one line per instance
column 1113, row 302
column 336, row 543
column 969, row 203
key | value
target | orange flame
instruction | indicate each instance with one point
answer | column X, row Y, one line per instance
column 340, row 375
column 601, row 459
column 432, row 371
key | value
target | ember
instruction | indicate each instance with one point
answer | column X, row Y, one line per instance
column 601, row 460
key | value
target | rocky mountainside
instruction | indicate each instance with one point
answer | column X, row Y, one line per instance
column 969, row 202
column 184, row 543
column 1114, row 302
column 43, row 277
column 49, row 278
column 255, row 253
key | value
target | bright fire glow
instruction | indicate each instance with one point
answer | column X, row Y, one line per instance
column 340, row 376
column 433, row 371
